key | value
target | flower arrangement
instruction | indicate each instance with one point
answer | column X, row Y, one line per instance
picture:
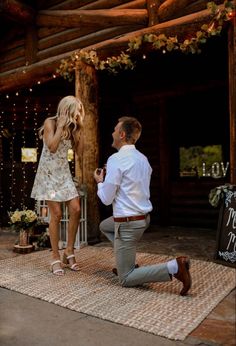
column 219, row 193
column 22, row 219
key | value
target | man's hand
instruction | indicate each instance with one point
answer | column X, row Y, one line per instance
column 98, row 175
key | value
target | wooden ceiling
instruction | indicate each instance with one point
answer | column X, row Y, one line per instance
column 36, row 35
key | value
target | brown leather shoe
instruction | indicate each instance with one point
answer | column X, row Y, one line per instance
column 114, row 270
column 183, row 274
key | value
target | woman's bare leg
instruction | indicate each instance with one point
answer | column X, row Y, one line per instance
column 74, row 219
column 55, row 218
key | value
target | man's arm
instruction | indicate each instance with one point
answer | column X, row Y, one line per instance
column 107, row 189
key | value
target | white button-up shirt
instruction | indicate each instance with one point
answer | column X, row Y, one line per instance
column 127, row 181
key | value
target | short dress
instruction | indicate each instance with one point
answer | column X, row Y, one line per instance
column 53, row 180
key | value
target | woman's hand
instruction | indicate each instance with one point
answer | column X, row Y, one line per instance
column 61, row 121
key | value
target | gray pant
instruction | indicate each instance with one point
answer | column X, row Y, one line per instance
column 124, row 237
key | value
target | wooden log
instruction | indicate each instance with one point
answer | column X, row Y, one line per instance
column 44, row 31
column 170, row 7
column 194, row 7
column 87, row 90
column 63, row 37
column 17, row 11
column 18, row 42
column 12, row 55
column 29, row 75
column 181, row 26
column 31, row 44
column 83, row 41
column 133, row 4
column 152, row 6
column 232, row 99
column 73, row 4
column 93, row 18
column 101, row 4
column 14, row 64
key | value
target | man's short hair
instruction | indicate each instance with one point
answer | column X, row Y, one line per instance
column 132, row 128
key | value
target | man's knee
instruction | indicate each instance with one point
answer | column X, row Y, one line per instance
column 107, row 225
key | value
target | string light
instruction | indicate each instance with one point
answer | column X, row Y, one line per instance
column 14, row 125
column 12, row 160
column 1, row 161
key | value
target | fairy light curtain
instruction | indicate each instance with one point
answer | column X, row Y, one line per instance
column 22, row 112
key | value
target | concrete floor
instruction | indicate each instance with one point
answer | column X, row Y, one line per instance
column 28, row 321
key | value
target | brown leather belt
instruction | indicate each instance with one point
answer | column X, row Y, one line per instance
column 130, row 218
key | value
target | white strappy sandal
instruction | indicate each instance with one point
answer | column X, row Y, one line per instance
column 55, row 269
column 71, row 262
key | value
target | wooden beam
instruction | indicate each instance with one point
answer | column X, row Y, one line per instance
column 29, row 75
column 83, row 41
column 169, row 7
column 31, row 44
column 17, row 11
column 93, row 18
column 101, row 4
column 87, row 4
column 26, row 76
column 232, row 99
column 86, row 87
column 179, row 26
column 152, row 6
column 135, row 4
column 196, row 6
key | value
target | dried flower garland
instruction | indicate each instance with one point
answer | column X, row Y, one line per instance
column 161, row 42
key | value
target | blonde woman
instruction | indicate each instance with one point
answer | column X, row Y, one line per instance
column 53, row 180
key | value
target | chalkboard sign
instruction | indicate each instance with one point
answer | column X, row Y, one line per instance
column 226, row 232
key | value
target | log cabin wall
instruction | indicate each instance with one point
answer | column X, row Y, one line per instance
column 182, row 103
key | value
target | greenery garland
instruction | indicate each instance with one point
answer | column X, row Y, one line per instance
column 218, row 193
column 125, row 61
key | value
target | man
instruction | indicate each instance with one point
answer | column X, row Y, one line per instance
column 126, row 187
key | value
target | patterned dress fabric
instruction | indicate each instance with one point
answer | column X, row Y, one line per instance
column 53, row 180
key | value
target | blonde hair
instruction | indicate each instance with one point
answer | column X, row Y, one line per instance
column 73, row 108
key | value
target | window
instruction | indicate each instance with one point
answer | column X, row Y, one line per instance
column 199, row 161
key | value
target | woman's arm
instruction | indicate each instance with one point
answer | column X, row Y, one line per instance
column 52, row 133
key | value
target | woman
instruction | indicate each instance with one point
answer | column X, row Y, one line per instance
column 53, row 180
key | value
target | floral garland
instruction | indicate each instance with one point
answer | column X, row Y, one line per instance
column 124, row 61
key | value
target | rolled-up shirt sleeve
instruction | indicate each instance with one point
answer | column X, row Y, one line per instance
column 106, row 192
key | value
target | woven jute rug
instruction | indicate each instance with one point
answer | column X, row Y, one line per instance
column 155, row 308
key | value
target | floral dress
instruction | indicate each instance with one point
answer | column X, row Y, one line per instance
column 53, row 180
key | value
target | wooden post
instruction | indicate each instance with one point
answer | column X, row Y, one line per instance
column 88, row 157
column 31, row 44
column 152, row 7
column 232, row 98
